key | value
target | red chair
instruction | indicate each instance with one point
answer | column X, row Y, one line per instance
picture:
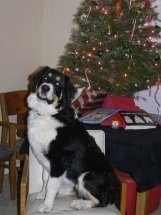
column 130, row 193
column 139, row 203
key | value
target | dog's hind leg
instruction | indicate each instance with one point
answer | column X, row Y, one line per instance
column 88, row 201
column 52, row 187
column 97, row 189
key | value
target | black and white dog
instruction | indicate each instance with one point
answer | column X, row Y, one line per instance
column 64, row 148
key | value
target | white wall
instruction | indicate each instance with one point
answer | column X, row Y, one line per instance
column 58, row 16
column 20, row 41
column 33, row 33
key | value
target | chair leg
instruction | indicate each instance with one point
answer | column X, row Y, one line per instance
column 141, row 203
column 24, row 187
column 12, row 177
column 1, row 178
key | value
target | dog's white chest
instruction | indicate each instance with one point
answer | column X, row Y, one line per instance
column 41, row 131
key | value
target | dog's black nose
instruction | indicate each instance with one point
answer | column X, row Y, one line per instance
column 45, row 88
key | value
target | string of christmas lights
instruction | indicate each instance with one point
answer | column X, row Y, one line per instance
column 117, row 42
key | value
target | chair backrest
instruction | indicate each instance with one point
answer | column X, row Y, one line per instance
column 13, row 104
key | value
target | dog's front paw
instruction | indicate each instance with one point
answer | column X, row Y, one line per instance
column 43, row 208
column 40, row 195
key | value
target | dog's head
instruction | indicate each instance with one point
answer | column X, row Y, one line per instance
column 52, row 88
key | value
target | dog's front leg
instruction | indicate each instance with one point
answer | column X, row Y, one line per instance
column 45, row 176
column 51, row 191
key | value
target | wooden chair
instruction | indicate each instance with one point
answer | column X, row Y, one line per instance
column 24, row 186
column 27, row 187
column 13, row 112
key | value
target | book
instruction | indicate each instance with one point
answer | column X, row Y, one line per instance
column 136, row 120
column 98, row 115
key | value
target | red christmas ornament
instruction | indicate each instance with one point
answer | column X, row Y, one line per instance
column 118, row 6
column 147, row 4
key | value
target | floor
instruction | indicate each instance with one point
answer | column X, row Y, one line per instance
column 9, row 207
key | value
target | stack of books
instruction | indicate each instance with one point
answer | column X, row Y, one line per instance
column 125, row 119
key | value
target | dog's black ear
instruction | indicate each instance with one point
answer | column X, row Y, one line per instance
column 35, row 77
column 69, row 92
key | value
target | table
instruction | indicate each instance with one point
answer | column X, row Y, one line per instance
column 137, row 152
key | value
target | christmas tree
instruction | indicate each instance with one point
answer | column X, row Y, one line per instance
column 115, row 45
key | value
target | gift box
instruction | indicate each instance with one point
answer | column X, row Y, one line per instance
column 88, row 101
